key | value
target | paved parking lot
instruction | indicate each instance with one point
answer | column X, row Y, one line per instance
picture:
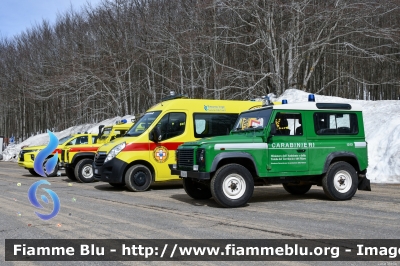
column 97, row 210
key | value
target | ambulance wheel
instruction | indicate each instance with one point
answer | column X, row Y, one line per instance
column 340, row 181
column 138, row 178
column 70, row 173
column 54, row 172
column 117, row 184
column 196, row 189
column 296, row 189
column 32, row 172
column 84, row 171
column 232, row 186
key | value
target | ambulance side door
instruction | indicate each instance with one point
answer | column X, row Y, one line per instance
column 172, row 126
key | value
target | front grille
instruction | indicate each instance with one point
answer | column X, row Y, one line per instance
column 99, row 159
column 185, row 158
column 21, row 154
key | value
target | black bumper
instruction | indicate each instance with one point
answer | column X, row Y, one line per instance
column 110, row 172
column 190, row 174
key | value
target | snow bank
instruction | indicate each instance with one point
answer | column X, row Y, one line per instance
column 12, row 150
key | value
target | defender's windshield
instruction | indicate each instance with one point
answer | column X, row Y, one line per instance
column 143, row 124
column 256, row 119
column 64, row 139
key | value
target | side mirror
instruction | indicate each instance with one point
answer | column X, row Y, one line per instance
column 273, row 129
column 112, row 138
column 155, row 135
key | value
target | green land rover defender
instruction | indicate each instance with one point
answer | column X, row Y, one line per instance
column 297, row 145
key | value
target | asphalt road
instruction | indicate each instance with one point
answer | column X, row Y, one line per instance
column 99, row 211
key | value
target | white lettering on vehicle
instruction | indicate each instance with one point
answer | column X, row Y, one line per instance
column 291, row 145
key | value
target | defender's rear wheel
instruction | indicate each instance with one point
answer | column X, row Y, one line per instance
column 296, row 189
column 138, row 178
column 232, row 185
column 32, row 172
column 84, row 171
column 196, row 189
column 340, row 181
column 70, row 173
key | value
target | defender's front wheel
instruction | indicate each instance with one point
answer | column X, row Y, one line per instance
column 138, row 178
column 232, row 186
column 84, row 171
column 340, row 181
column 196, row 189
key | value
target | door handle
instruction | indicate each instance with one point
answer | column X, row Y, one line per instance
column 301, row 150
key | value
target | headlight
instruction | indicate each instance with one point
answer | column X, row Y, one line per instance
column 114, row 151
column 201, row 157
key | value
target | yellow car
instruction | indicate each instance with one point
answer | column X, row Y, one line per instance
column 142, row 156
column 78, row 159
column 27, row 155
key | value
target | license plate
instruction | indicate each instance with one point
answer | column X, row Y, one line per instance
column 96, row 171
column 183, row 173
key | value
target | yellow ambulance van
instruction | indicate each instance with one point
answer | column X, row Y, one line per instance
column 142, row 156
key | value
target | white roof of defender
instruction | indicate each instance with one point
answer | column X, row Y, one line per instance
column 318, row 106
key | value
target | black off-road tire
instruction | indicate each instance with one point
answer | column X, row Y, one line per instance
column 232, row 186
column 196, row 189
column 296, row 189
column 84, row 171
column 340, row 181
column 138, row 178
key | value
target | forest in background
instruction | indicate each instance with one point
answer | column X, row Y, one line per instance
column 123, row 56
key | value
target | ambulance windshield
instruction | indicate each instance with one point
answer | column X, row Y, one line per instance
column 143, row 124
column 256, row 119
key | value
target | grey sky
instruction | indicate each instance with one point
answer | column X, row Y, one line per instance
column 18, row 15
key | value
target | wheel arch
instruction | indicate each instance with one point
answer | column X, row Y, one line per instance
column 344, row 156
column 143, row 162
column 82, row 155
column 241, row 158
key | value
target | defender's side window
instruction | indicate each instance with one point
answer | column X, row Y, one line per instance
column 289, row 124
column 172, row 125
column 335, row 124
